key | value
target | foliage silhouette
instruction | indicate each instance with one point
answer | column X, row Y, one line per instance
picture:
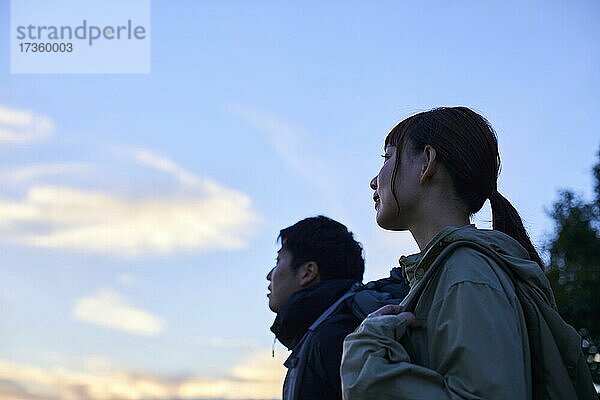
column 574, row 270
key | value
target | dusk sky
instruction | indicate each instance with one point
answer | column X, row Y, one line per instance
column 139, row 212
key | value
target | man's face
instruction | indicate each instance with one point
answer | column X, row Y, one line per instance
column 284, row 280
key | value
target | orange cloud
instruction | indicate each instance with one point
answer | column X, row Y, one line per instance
column 256, row 376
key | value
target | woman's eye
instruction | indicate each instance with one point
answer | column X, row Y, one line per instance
column 385, row 157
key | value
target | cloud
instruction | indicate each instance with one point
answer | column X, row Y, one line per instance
column 108, row 309
column 63, row 217
column 28, row 173
column 150, row 159
column 256, row 376
column 200, row 215
column 287, row 142
column 23, row 126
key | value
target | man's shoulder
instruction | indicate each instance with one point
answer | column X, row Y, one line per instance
column 324, row 353
column 335, row 328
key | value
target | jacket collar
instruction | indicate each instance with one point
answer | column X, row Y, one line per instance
column 415, row 265
column 304, row 307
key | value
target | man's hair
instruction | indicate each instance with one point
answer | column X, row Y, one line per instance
column 326, row 242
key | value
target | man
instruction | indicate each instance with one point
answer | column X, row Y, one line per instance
column 318, row 262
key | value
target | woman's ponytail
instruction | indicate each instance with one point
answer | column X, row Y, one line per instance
column 505, row 218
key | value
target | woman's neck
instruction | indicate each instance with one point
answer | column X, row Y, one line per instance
column 424, row 232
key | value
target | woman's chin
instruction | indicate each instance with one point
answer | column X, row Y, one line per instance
column 389, row 223
column 384, row 222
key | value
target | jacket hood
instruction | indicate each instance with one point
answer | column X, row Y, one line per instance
column 508, row 249
column 304, row 307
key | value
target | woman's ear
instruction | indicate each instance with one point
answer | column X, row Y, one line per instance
column 308, row 274
column 428, row 169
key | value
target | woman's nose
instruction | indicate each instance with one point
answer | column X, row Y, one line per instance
column 269, row 274
column 373, row 183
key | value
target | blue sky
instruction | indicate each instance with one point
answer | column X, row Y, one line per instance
column 138, row 213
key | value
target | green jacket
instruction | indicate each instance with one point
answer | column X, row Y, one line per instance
column 474, row 343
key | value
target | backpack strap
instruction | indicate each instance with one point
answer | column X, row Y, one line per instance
column 332, row 308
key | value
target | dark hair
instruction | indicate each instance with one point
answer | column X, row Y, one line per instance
column 326, row 242
column 467, row 145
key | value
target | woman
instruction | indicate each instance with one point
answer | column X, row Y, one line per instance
column 466, row 335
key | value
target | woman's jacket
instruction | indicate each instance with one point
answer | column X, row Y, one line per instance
column 473, row 292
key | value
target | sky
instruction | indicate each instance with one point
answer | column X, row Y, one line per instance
column 139, row 212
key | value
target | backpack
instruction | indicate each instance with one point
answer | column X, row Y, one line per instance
column 361, row 300
column 559, row 368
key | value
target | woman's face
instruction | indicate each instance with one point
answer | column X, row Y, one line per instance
column 392, row 214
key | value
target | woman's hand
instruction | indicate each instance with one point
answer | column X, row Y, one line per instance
column 392, row 309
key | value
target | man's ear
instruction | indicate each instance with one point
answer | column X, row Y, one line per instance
column 429, row 166
column 308, row 274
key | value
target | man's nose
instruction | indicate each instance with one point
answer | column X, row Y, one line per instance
column 269, row 274
column 373, row 183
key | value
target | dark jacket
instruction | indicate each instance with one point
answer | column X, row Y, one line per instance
column 320, row 375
